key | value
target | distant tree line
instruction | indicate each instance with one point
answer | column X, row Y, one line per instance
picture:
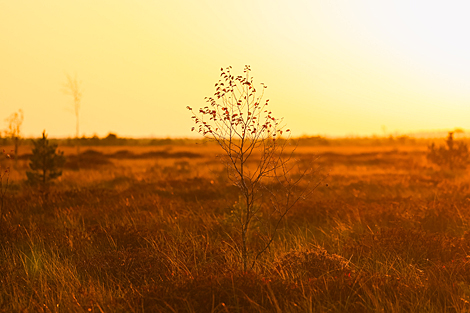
column 110, row 140
column 114, row 140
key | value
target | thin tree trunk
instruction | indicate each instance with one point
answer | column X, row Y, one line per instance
column 16, row 150
column 78, row 139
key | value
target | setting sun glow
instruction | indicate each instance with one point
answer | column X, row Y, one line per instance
column 335, row 68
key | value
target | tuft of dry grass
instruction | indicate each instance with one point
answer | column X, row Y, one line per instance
column 153, row 232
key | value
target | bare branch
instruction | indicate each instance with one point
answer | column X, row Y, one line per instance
column 241, row 123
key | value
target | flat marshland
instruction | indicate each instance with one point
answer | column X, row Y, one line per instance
column 151, row 229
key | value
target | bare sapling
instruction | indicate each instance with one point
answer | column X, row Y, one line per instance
column 258, row 159
column 73, row 87
column 13, row 131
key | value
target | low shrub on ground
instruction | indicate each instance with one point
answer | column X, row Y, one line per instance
column 454, row 157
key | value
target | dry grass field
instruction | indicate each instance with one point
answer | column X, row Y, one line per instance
column 150, row 229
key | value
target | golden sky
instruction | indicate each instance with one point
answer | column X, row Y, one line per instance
column 332, row 67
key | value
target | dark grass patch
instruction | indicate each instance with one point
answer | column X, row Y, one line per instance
column 88, row 159
column 126, row 154
column 313, row 263
column 411, row 245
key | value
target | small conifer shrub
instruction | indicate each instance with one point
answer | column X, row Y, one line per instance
column 454, row 156
column 45, row 162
